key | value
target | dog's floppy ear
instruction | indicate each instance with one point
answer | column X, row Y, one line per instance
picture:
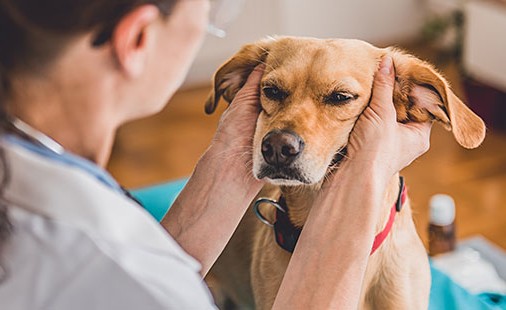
column 421, row 94
column 232, row 75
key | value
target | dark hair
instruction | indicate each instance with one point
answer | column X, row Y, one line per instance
column 34, row 32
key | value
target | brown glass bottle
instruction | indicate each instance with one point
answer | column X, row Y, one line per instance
column 441, row 225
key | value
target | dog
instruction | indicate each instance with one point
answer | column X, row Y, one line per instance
column 311, row 94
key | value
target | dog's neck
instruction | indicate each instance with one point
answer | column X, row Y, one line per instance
column 299, row 200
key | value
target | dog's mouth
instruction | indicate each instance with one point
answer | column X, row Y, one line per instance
column 283, row 176
column 293, row 176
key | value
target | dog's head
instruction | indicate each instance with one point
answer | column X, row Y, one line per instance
column 312, row 93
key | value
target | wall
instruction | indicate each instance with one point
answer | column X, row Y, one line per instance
column 258, row 19
column 386, row 21
column 370, row 20
column 485, row 43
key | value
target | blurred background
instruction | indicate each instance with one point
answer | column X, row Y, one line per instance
column 466, row 40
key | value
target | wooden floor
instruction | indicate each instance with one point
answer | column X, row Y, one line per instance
column 168, row 145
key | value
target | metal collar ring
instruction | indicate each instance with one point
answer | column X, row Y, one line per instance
column 260, row 216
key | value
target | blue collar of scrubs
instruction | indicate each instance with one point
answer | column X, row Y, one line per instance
column 68, row 159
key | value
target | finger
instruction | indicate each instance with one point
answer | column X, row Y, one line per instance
column 383, row 88
column 418, row 135
column 424, row 127
column 251, row 87
column 256, row 74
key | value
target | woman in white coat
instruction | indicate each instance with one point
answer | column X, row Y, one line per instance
column 71, row 72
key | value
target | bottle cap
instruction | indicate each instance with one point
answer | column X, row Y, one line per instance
column 442, row 210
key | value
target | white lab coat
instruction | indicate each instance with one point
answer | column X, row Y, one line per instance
column 77, row 244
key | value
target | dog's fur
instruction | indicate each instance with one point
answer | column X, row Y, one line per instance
column 252, row 266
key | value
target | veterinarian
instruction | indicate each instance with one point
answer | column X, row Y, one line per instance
column 72, row 72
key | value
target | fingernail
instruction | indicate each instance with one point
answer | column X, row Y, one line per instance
column 386, row 65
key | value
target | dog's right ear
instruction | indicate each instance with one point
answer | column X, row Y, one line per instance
column 232, row 75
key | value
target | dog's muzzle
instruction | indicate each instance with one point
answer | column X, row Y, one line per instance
column 280, row 151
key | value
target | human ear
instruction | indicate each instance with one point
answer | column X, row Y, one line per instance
column 130, row 39
column 421, row 94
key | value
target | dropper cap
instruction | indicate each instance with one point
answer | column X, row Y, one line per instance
column 442, row 210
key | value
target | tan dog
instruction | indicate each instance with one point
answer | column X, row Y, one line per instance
column 312, row 93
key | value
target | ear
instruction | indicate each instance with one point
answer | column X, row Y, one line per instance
column 130, row 36
column 421, row 94
column 232, row 75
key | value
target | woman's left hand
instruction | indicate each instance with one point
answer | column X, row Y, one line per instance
column 377, row 138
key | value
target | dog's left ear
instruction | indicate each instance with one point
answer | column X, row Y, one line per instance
column 421, row 94
column 232, row 75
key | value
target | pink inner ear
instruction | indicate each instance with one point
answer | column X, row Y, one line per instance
column 232, row 79
column 231, row 84
column 426, row 98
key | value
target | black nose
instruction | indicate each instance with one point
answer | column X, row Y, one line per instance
column 281, row 147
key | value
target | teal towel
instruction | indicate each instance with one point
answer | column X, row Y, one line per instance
column 448, row 295
column 444, row 294
column 158, row 199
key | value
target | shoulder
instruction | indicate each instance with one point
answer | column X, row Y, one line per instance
column 77, row 242
column 61, row 267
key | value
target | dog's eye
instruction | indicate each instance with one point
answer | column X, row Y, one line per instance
column 337, row 98
column 274, row 93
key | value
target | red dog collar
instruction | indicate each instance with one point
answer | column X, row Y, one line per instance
column 287, row 234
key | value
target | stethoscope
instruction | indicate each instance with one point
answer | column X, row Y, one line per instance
column 37, row 136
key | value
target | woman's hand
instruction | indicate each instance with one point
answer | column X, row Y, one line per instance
column 334, row 247
column 378, row 138
column 234, row 137
column 208, row 210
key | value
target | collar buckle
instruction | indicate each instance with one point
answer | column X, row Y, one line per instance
column 260, row 216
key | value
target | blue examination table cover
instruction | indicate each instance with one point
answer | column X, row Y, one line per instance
column 444, row 295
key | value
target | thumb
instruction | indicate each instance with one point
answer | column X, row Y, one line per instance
column 250, row 89
column 383, row 89
column 256, row 75
column 417, row 135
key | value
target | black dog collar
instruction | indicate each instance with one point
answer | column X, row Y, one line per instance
column 287, row 234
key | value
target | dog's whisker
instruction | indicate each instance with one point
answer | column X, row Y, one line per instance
column 276, row 61
column 255, row 59
column 267, row 52
column 237, row 150
column 268, row 65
